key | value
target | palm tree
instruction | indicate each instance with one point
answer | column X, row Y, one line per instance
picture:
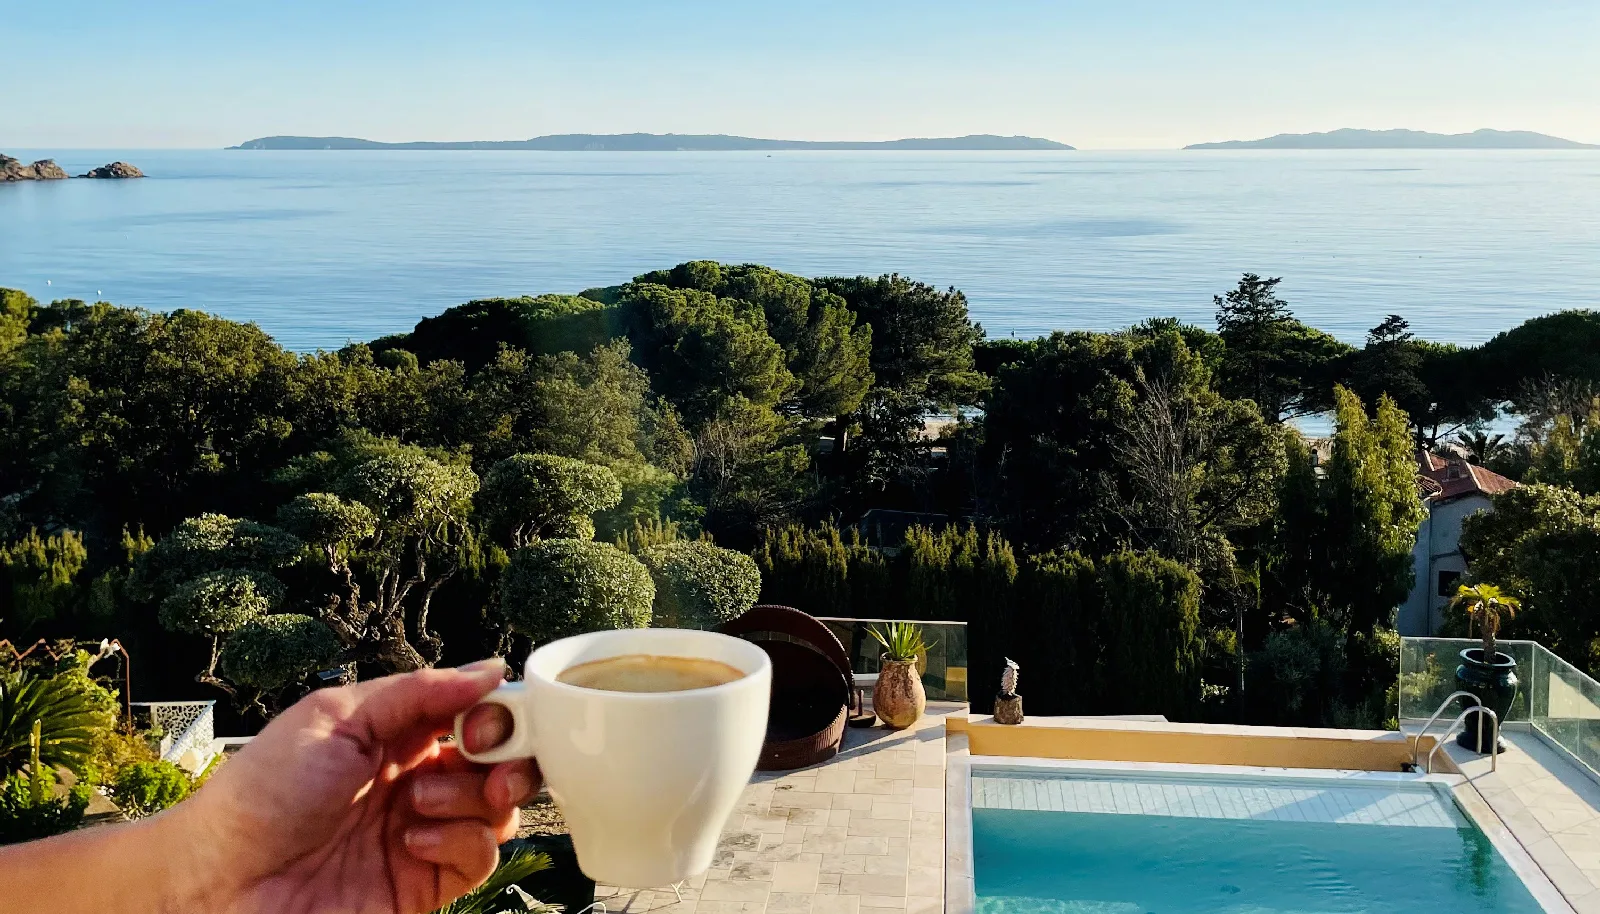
column 1480, row 446
column 1485, row 603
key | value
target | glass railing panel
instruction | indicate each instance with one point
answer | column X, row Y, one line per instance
column 1569, row 711
column 944, row 669
column 1428, row 674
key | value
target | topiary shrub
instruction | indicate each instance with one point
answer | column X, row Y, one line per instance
column 699, row 585
column 145, row 788
column 220, row 602
column 278, row 650
column 208, row 543
column 561, row 587
column 328, row 521
column 532, row 495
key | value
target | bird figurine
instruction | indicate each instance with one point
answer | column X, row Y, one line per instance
column 1008, row 679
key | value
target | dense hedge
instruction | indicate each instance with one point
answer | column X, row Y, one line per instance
column 560, row 587
column 1117, row 636
column 699, row 585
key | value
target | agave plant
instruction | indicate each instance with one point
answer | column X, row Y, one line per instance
column 499, row 892
column 901, row 641
column 1485, row 603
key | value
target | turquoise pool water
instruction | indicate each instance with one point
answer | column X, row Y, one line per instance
column 1038, row 860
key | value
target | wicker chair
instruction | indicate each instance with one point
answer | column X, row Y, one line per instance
column 812, row 686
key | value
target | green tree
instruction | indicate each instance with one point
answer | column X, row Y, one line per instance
column 1543, row 542
column 824, row 348
column 38, row 578
column 217, row 603
column 473, row 333
column 702, row 351
column 420, row 506
column 1269, row 357
column 211, row 542
column 699, row 585
column 1343, row 541
column 275, row 652
column 531, row 496
column 559, row 587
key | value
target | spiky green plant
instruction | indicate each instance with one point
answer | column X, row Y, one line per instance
column 68, row 709
column 493, row 897
column 1486, row 603
column 901, row 641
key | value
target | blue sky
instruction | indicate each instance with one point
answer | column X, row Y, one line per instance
column 1118, row 75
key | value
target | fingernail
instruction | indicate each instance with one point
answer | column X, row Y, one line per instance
column 519, row 786
column 485, row 665
column 423, row 838
column 433, row 793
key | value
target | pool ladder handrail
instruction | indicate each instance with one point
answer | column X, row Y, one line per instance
column 1461, row 719
column 1416, row 744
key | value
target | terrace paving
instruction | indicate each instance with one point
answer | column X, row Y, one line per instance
column 862, row 833
column 1550, row 805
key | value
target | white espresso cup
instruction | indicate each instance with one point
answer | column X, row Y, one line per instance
column 645, row 780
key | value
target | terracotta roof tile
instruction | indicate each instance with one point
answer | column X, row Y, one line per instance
column 1455, row 478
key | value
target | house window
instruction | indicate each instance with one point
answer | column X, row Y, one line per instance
column 1448, row 580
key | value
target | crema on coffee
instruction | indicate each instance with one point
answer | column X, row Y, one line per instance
column 649, row 673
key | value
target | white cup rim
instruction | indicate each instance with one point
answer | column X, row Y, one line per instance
column 758, row 657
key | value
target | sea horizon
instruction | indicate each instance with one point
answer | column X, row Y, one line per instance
column 325, row 247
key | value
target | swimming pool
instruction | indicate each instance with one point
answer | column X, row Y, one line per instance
column 1064, row 841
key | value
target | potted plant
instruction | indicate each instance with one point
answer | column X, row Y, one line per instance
column 899, row 699
column 1485, row 672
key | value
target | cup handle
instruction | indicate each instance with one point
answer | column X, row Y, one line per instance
column 520, row 743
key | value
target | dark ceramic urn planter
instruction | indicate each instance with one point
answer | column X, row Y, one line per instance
column 1495, row 684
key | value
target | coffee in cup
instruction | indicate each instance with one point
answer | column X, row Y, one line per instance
column 645, row 737
column 649, row 673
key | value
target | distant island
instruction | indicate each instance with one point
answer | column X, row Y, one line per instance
column 1349, row 138
column 47, row 170
column 660, row 142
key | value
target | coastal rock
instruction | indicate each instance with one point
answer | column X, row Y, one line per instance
column 114, row 170
column 42, row 170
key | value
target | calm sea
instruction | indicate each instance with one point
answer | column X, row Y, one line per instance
column 320, row 248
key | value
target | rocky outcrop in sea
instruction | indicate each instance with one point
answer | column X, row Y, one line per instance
column 42, row 170
column 114, row 170
column 47, row 170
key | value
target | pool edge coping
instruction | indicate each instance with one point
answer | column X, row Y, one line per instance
column 960, row 860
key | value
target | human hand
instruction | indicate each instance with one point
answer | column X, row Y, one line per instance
column 347, row 802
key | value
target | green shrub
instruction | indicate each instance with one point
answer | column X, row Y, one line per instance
column 37, row 577
column 23, row 818
column 145, row 788
column 210, row 542
column 278, row 650
column 561, row 587
column 328, row 520
column 535, row 495
column 699, row 585
column 220, row 601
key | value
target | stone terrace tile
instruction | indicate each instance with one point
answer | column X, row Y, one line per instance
column 1551, row 808
column 858, row 834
